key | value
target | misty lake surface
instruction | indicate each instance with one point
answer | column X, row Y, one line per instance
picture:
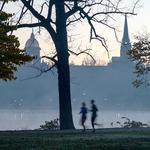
column 32, row 119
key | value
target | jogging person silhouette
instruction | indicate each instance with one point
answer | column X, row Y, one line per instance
column 83, row 113
column 94, row 114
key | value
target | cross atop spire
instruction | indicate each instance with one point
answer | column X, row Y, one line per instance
column 125, row 44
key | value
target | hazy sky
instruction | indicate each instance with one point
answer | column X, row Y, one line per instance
column 137, row 24
column 141, row 22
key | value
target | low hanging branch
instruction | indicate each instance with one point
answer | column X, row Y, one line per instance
column 83, row 52
column 51, row 58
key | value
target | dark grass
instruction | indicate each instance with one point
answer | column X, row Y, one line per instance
column 76, row 140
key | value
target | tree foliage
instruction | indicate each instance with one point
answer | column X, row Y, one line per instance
column 10, row 54
column 140, row 54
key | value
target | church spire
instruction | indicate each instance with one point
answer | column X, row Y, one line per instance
column 125, row 44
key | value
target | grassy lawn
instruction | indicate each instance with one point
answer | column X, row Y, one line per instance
column 101, row 140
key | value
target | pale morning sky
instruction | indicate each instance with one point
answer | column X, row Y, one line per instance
column 137, row 24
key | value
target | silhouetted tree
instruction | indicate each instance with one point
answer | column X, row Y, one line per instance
column 55, row 16
column 140, row 54
column 10, row 54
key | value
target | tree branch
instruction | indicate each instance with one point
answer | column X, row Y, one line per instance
column 73, row 10
column 3, row 4
column 51, row 58
column 51, row 3
column 32, row 10
column 42, row 7
column 83, row 52
column 29, row 25
column 41, row 71
column 93, row 30
column 21, row 14
column 73, row 20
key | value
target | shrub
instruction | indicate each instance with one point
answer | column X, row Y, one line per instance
column 128, row 123
column 51, row 125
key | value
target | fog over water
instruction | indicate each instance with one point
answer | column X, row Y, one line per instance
column 32, row 119
column 28, row 104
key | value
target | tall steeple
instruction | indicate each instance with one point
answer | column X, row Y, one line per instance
column 125, row 44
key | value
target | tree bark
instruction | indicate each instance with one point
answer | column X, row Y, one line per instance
column 65, row 114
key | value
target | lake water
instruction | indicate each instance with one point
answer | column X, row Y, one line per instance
column 32, row 119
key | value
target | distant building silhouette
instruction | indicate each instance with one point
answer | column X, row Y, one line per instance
column 125, row 44
column 33, row 49
column 37, row 65
column 32, row 46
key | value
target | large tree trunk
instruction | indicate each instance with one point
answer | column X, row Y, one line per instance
column 65, row 109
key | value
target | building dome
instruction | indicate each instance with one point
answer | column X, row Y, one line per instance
column 32, row 42
column 32, row 47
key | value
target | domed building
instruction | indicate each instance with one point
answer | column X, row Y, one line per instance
column 35, row 67
column 33, row 49
column 32, row 42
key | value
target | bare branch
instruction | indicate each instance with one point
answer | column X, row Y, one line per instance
column 73, row 20
column 50, row 68
column 51, row 58
column 42, row 7
column 109, row 26
column 71, row 11
column 51, row 3
column 3, row 4
column 83, row 52
column 93, row 30
column 113, row 12
column 32, row 10
column 41, row 71
column 135, row 5
column 28, row 25
column 21, row 15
